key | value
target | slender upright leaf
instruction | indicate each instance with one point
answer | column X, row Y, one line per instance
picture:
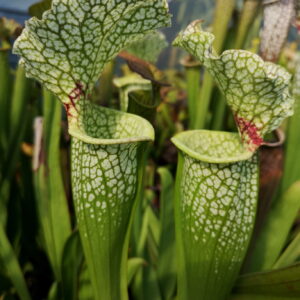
column 223, row 14
column 276, row 229
column 249, row 13
column 290, row 254
column 134, row 264
column 10, row 261
column 166, row 266
column 283, row 282
column 291, row 172
column 51, row 196
column 72, row 260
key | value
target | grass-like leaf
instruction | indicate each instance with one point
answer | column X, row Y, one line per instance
column 52, row 201
column 72, row 260
column 290, row 254
column 283, row 282
column 166, row 267
column 5, row 90
column 280, row 220
column 291, row 172
column 134, row 264
column 12, row 267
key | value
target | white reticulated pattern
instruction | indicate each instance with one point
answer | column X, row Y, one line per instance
column 218, row 206
column 104, row 185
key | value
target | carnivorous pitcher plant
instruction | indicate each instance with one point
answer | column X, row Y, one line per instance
column 217, row 177
column 66, row 51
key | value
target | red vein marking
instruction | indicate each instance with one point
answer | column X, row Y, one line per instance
column 250, row 130
column 75, row 95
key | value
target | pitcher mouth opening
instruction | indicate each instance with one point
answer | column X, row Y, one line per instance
column 104, row 126
column 212, row 146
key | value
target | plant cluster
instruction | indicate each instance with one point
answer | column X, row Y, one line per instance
column 106, row 210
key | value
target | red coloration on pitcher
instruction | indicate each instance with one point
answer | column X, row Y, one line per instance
column 67, row 107
column 249, row 129
column 75, row 95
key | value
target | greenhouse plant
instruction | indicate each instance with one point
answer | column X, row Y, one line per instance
column 149, row 150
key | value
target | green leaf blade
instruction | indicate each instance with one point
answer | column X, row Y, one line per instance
column 166, row 267
column 10, row 261
column 280, row 220
column 283, row 282
column 72, row 260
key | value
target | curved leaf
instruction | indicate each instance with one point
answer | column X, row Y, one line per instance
column 280, row 221
column 257, row 92
column 134, row 264
column 128, row 84
column 67, row 50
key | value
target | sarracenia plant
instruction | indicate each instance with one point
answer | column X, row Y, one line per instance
column 217, row 179
column 66, row 51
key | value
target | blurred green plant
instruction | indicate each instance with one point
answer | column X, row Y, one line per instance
column 14, row 101
column 49, row 187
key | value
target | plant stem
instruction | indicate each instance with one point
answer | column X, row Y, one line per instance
column 204, row 101
column 193, row 74
column 5, row 91
column 248, row 15
column 219, row 112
